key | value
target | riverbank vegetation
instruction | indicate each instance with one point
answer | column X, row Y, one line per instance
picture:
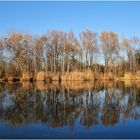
column 61, row 56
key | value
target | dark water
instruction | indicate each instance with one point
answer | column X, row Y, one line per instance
column 94, row 110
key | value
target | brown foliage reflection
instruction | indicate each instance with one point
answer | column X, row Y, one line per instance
column 58, row 105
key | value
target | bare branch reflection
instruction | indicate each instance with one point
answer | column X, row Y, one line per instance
column 58, row 105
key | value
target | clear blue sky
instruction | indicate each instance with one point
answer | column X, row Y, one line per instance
column 38, row 17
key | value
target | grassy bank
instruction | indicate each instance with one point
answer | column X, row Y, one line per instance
column 72, row 85
column 87, row 75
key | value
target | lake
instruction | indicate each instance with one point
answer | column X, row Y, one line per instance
column 70, row 110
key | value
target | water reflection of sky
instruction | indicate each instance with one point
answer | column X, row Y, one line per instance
column 8, row 101
column 107, row 112
column 39, row 130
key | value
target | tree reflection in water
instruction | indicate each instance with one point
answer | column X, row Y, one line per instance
column 60, row 105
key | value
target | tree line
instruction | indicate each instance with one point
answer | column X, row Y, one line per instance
column 62, row 52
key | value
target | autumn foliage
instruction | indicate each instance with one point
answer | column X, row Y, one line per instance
column 60, row 56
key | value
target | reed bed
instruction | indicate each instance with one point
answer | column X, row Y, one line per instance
column 41, row 76
column 78, row 76
column 86, row 75
column 26, row 76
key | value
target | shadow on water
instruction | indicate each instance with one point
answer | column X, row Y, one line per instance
column 81, row 105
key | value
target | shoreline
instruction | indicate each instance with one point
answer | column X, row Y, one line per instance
column 60, row 80
column 73, row 85
column 87, row 75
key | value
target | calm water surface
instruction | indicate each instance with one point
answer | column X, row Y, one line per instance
column 73, row 110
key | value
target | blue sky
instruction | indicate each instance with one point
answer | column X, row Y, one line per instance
column 38, row 17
